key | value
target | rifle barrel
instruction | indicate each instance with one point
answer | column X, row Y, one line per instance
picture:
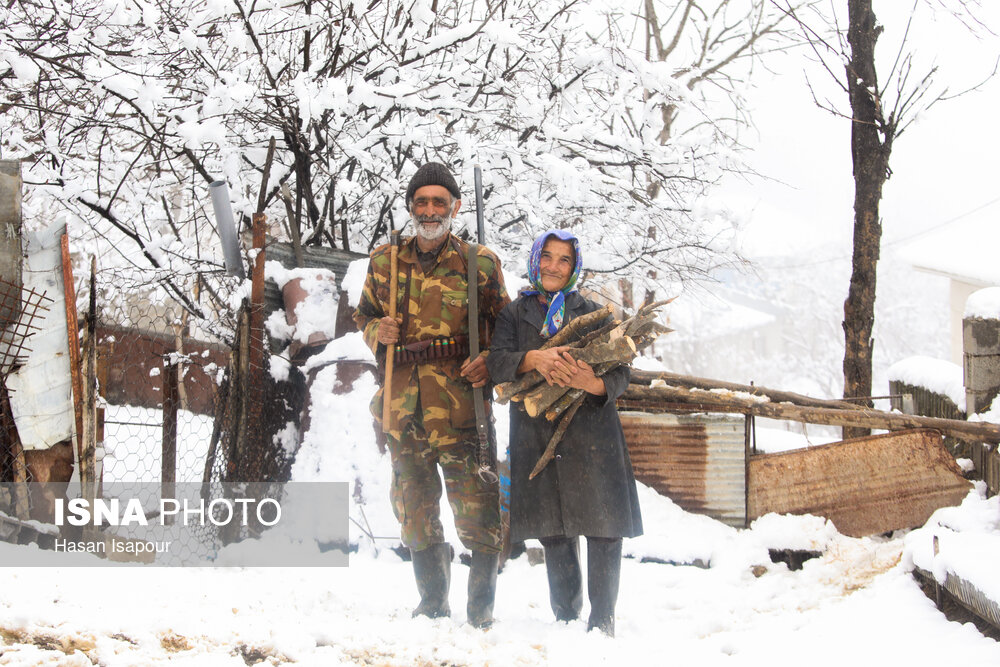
column 480, row 221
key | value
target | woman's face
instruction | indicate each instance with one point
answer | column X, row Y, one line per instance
column 556, row 265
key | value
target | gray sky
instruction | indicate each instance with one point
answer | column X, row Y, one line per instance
column 944, row 166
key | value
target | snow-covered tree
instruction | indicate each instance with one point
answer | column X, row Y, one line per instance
column 124, row 112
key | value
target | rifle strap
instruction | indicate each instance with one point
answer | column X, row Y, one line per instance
column 482, row 428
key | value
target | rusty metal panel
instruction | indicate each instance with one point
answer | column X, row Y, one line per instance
column 698, row 461
column 865, row 486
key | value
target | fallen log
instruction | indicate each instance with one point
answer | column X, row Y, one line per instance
column 776, row 395
column 721, row 400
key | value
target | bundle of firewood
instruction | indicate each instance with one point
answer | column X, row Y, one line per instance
column 609, row 346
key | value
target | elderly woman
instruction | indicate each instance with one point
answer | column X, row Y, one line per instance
column 589, row 488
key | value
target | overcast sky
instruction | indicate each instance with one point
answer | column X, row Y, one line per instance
column 944, row 166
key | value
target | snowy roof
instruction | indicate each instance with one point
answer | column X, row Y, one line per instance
column 964, row 250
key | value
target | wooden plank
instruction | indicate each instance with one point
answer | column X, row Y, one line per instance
column 866, row 486
column 73, row 338
column 87, row 436
column 168, row 440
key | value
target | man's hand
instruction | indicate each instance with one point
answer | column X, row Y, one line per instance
column 569, row 372
column 475, row 371
column 388, row 330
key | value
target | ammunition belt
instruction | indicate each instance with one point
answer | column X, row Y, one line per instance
column 433, row 349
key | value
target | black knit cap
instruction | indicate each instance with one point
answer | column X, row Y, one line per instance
column 432, row 173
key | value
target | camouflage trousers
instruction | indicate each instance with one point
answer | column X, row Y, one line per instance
column 416, row 491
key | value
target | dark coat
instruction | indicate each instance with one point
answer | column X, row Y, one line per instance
column 589, row 488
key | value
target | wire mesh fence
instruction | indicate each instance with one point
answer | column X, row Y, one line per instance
column 159, row 368
column 188, row 396
column 182, row 387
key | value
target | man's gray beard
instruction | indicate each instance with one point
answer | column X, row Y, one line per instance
column 427, row 235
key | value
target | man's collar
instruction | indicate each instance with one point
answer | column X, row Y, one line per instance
column 409, row 249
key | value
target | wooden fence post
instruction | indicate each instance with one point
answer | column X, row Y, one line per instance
column 168, row 462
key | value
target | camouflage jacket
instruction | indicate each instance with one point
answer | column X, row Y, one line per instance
column 435, row 304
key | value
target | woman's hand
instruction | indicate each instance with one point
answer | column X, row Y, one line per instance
column 569, row 372
column 543, row 361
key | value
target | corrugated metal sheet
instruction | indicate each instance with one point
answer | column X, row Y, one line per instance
column 41, row 396
column 698, row 461
column 865, row 486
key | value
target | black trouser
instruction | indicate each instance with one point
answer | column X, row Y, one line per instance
column 562, row 563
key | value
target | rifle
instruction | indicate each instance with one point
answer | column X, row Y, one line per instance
column 390, row 350
column 483, row 452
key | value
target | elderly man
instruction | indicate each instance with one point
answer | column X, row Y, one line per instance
column 432, row 420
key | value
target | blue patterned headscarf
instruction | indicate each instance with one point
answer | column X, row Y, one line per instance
column 556, row 301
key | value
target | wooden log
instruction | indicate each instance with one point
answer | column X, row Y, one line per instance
column 597, row 333
column 569, row 397
column 653, row 305
column 762, row 407
column 168, row 439
column 778, row 396
column 73, row 341
column 87, row 442
column 506, row 390
column 642, row 324
column 550, row 448
column 621, row 350
column 573, row 327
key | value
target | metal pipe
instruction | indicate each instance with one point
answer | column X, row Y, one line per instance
column 226, row 227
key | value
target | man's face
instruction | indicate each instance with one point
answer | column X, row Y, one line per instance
column 432, row 210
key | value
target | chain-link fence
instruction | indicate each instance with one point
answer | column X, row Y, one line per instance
column 188, row 395
column 159, row 370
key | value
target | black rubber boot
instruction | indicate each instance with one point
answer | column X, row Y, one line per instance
column 482, row 588
column 604, row 566
column 432, row 569
column 562, row 563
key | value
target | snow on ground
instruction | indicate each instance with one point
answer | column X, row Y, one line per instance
column 856, row 604
column 707, row 594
